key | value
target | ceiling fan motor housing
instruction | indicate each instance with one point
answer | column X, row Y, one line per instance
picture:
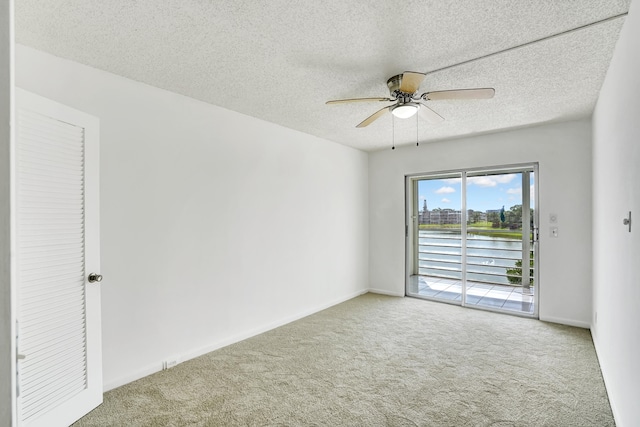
column 394, row 84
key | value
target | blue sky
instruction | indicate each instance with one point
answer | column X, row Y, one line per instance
column 483, row 192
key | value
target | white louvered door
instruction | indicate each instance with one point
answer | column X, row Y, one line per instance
column 57, row 247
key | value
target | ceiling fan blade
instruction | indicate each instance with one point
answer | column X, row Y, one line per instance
column 429, row 115
column 484, row 93
column 371, row 118
column 411, row 81
column 345, row 101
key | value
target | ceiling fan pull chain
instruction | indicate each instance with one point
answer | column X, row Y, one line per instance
column 393, row 132
column 417, row 133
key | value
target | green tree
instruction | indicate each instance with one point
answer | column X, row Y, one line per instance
column 494, row 219
column 514, row 216
column 475, row 216
column 514, row 275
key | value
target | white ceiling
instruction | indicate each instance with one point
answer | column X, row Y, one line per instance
column 281, row 60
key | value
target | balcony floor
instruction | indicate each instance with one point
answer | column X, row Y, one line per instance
column 500, row 297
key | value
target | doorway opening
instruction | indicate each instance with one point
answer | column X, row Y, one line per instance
column 469, row 234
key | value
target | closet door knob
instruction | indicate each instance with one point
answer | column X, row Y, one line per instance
column 93, row 277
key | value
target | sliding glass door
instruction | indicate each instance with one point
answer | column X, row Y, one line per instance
column 469, row 234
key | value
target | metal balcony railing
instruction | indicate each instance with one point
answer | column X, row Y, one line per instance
column 488, row 258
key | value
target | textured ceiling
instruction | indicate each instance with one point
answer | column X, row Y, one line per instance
column 281, row 60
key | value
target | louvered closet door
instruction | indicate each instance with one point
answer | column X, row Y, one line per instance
column 57, row 235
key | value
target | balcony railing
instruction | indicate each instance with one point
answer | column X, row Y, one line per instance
column 489, row 259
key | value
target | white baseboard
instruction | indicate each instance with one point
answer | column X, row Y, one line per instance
column 614, row 410
column 157, row 367
column 126, row 379
column 264, row 328
column 568, row 322
column 385, row 292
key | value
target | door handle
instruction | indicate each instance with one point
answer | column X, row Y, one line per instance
column 627, row 221
column 93, row 277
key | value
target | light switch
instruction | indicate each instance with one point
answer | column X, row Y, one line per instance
column 553, row 231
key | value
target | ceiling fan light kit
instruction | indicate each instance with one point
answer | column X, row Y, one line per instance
column 404, row 111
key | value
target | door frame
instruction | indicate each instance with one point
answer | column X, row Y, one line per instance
column 411, row 218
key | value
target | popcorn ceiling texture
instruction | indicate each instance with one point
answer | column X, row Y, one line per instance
column 280, row 60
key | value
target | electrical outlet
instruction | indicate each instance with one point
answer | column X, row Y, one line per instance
column 553, row 231
column 170, row 363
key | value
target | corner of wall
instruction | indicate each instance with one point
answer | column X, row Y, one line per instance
column 615, row 314
column 7, row 341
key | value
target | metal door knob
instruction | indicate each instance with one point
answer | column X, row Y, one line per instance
column 93, row 277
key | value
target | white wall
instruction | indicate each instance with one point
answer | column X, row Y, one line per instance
column 6, row 350
column 616, row 252
column 564, row 154
column 215, row 225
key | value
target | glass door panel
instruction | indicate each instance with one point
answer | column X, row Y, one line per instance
column 438, row 246
column 498, row 240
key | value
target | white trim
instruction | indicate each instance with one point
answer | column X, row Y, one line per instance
column 568, row 322
column 536, row 242
column 157, row 366
column 453, row 173
column 386, row 292
column 410, row 263
column 614, row 409
column 463, row 238
column 12, row 212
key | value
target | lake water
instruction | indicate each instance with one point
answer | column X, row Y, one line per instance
column 487, row 257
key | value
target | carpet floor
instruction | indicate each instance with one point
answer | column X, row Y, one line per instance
column 379, row 361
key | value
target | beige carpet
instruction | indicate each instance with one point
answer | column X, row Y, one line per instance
column 379, row 361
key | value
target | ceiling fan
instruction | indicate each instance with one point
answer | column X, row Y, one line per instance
column 403, row 89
